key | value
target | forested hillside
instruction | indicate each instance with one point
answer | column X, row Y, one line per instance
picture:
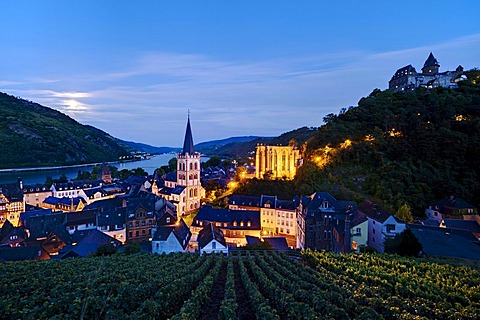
column 33, row 135
column 261, row 285
column 408, row 147
column 400, row 148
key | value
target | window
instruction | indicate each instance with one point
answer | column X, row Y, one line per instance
column 168, row 219
column 137, row 233
column 143, row 223
column 373, row 230
column 136, row 224
column 214, row 245
column 354, row 245
column 359, row 231
column 390, row 227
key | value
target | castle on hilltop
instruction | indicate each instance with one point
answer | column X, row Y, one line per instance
column 407, row 78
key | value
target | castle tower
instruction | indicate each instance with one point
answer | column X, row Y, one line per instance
column 106, row 174
column 431, row 65
column 188, row 174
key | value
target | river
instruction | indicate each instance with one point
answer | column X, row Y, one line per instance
column 39, row 176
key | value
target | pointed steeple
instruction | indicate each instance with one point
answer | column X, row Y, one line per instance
column 431, row 61
column 188, row 142
column 431, row 65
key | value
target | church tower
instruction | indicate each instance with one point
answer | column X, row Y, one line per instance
column 431, row 65
column 188, row 174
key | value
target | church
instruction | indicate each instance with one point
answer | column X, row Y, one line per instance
column 276, row 162
column 183, row 188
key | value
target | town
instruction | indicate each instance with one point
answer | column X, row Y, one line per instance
column 81, row 218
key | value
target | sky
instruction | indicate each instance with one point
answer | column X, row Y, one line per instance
column 135, row 68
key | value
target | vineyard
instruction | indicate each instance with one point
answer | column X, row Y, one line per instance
column 261, row 285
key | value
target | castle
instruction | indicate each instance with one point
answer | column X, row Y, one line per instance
column 407, row 78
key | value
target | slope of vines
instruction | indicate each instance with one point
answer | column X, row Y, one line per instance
column 256, row 285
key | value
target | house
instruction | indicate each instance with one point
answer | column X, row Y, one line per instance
column 110, row 217
column 35, row 194
column 315, row 217
column 235, row 224
column 472, row 226
column 82, row 220
column 277, row 217
column 173, row 238
column 382, row 225
column 33, row 253
column 450, row 207
column 140, row 221
column 12, row 236
column 211, row 240
column 350, row 232
column 277, row 243
column 89, row 244
column 445, row 242
column 12, row 202
column 64, row 204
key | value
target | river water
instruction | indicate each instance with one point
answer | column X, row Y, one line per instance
column 39, row 176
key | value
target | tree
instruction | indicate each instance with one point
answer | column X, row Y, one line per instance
column 105, row 250
column 132, row 248
column 172, row 164
column 404, row 244
column 404, row 213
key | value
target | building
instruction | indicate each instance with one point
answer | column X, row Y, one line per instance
column 12, row 202
column 276, row 162
column 407, row 78
column 211, row 240
column 382, row 225
column 277, row 217
column 315, row 220
column 450, row 207
column 171, row 238
column 350, row 233
column 235, row 224
column 187, row 191
column 35, row 194
column 445, row 242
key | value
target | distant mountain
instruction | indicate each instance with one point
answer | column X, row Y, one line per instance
column 150, row 149
column 213, row 147
column 243, row 146
column 32, row 135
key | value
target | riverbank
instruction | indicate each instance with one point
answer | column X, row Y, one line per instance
column 67, row 167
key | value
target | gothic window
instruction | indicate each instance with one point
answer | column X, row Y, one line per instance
column 195, row 193
column 191, row 166
column 284, row 159
column 196, row 166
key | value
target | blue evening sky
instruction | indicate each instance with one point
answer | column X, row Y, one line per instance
column 133, row 68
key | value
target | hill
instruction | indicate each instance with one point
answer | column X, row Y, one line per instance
column 213, row 147
column 266, row 285
column 410, row 147
column 407, row 147
column 33, row 135
column 241, row 149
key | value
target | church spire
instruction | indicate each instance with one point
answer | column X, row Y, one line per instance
column 188, row 142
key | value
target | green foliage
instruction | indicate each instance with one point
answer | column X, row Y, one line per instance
column 269, row 284
column 259, row 246
column 405, row 214
column 423, row 145
column 105, row 250
column 40, row 136
column 132, row 248
column 404, row 244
